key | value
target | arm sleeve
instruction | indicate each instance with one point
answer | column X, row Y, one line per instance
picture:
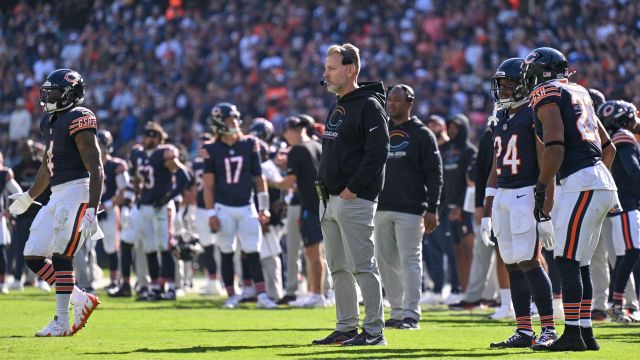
column 376, row 146
column 629, row 161
column 431, row 167
column 483, row 166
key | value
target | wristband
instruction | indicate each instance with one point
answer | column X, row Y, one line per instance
column 263, row 201
column 490, row 191
column 212, row 212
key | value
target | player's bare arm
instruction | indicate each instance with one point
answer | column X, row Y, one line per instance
column 209, row 200
column 551, row 186
column 608, row 149
column 553, row 135
column 89, row 150
column 491, row 183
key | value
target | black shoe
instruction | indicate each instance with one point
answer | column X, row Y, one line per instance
column 598, row 315
column 589, row 339
column 111, row 287
column 464, row 305
column 141, row 289
column 123, row 291
column 169, row 295
column 285, row 300
column 517, row 340
column 151, row 295
column 392, row 323
column 364, row 339
column 409, row 324
column 571, row 340
column 336, row 338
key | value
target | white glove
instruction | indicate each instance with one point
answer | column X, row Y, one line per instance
column 546, row 235
column 89, row 224
column 485, row 231
column 21, row 202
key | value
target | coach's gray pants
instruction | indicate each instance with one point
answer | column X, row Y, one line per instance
column 483, row 279
column 84, row 265
column 604, row 256
column 398, row 239
column 141, row 266
column 347, row 228
column 294, row 242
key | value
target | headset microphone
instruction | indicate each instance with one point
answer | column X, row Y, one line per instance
column 323, row 82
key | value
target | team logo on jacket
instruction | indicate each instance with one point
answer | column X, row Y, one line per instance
column 398, row 141
column 333, row 124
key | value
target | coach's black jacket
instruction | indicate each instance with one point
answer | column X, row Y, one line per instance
column 413, row 178
column 356, row 143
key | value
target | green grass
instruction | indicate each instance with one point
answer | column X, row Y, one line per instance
column 197, row 328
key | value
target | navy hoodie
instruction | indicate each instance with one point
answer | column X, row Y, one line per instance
column 356, row 143
column 457, row 161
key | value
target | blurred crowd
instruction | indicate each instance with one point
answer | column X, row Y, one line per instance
column 170, row 61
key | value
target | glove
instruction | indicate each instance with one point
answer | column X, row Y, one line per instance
column 485, row 231
column 539, row 194
column 546, row 235
column 21, row 202
column 89, row 225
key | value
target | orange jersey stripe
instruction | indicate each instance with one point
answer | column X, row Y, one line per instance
column 77, row 230
column 576, row 221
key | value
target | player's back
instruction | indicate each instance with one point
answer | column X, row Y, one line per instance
column 64, row 160
column 515, row 149
column 156, row 178
column 582, row 143
column 234, row 168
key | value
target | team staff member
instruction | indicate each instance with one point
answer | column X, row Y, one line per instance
column 355, row 148
column 408, row 206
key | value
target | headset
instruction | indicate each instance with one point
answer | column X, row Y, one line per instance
column 408, row 91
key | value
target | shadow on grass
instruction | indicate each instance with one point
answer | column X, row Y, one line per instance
column 195, row 349
column 385, row 353
column 253, row 330
column 630, row 337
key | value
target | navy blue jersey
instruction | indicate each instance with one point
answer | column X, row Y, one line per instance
column 136, row 158
column 198, row 169
column 581, row 140
column 626, row 169
column 514, row 146
column 234, row 168
column 156, row 178
column 60, row 130
column 112, row 168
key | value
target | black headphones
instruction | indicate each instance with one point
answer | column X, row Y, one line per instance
column 346, row 58
column 408, row 92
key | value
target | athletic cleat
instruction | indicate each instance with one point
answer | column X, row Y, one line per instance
column 393, row 323
column 597, row 315
column 364, row 339
column 517, row 340
column 336, row 338
column 429, row 298
column 547, row 337
column 634, row 315
column 111, row 287
column 286, row 300
column 152, row 295
column 83, row 310
column 212, row 287
column 4, row 290
column 265, row 302
column 409, row 324
column 300, row 301
column 248, row 294
column 169, row 295
column 43, row 285
column 453, row 299
column 315, row 301
column 232, row 302
column 617, row 314
column 503, row 313
column 55, row 328
column 16, row 285
column 589, row 338
column 123, row 290
column 571, row 340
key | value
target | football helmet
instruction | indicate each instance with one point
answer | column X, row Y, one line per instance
column 106, row 139
column 262, row 129
column 616, row 114
column 220, row 113
column 597, row 98
column 510, row 69
column 62, row 89
column 541, row 65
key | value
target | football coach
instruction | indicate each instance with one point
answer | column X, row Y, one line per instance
column 351, row 174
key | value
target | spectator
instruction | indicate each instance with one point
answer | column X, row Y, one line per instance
column 19, row 122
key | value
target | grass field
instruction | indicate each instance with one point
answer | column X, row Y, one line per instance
column 196, row 328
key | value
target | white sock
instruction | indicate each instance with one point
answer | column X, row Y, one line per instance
column 77, row 295
column 505, row 299
column 585, row 323
column 62, row 307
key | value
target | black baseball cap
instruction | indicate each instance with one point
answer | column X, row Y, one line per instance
column 302, row 120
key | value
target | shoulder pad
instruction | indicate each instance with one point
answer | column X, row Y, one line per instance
column 169, row 151
column 623, row 136
column 81, row 118
column 543, row 91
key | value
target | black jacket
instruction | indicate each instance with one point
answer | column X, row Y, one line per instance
column 484, row 163
column 457, row 163
column 413, row 177
column 356, row 143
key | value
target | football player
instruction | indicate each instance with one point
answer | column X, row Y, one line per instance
column 73, row 167
column 508, row 208
column 620, row 118
column 157, row 209
column 116, row 179
column 231, row 173
column 8, row 187
column 578, row 150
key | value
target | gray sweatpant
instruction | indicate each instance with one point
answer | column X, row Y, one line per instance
column 603, row 257
column 347, row 228
column 398, row 239
column 294, row 242
column 483, row 279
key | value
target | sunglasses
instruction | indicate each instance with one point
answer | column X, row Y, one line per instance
column 151, row 133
